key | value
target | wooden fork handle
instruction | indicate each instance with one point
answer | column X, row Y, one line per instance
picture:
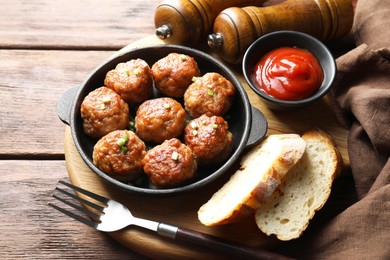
column 225, row 247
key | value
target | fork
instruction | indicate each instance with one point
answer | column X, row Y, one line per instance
column 110, row 215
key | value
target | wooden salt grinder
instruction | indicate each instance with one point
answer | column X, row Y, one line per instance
column 235, row 29
column 189, row 21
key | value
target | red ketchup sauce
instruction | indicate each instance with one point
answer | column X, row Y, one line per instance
column 289, row 73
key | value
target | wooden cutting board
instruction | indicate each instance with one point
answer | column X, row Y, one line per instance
column 182, row 210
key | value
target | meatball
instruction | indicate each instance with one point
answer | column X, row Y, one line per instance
column 131, row 80
column 209, row 139
column 173, row 74
column 169, row 164
column 103, row 111
column 211, row 94
column 120, row 154
column 160, row 119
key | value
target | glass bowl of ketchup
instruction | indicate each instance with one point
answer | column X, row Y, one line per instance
column 289, row 69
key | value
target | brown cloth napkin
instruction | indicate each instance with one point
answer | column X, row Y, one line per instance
column 359, row 226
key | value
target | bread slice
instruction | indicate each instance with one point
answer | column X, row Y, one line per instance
column 262, row 170
column 305, row 189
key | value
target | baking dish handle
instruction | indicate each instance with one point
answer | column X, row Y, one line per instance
column 64, row 105
column 259, row 128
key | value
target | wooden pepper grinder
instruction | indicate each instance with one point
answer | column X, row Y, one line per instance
column 235, row 29
column 189, row 21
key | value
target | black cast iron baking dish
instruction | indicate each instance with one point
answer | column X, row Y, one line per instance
column 247, row 124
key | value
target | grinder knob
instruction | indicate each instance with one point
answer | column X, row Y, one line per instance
column 215, row 40
column 163, row 32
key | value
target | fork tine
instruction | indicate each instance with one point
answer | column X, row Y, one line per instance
column 86, row 221
column 85, row 192
column 92, row 214
column 79, row 208
column 86, row 202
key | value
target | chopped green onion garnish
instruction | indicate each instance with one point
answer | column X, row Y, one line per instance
column 211, row 93
column 121, row 141
column 128, row 72
column 194, row 79
column 194, row 125
column 124, row 149
column 195, row 133
column 166, row 105
column 175, row 155
column 183, row 57
column 106, row 99
column 137, row 72
column 131, row 126
column 215, row 126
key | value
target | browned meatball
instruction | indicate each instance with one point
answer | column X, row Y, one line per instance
column 120, row 154
column 131, row 80
column 170, row 164
column 160, row 119
column 211, row 94
column 103, row 111
column 173, row 74
column 209, row 139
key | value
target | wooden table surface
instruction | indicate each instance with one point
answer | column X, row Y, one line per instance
column 47, row 47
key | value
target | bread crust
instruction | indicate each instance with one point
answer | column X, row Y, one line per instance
column 305, row 190
column 330, row 143
column 262, row 170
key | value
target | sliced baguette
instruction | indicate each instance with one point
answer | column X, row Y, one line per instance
column 262, row 170
column 305, row 189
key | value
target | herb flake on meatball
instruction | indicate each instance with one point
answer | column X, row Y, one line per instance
column 170, row 164
column 211, row 94
column 209, row 139
column 132, row 80
column 103, row 111
column 119, row 154
column 160, row 119
column 173, row 74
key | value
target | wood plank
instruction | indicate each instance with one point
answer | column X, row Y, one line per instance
column 75, row 24
column 31, row 83
column 29, row 229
